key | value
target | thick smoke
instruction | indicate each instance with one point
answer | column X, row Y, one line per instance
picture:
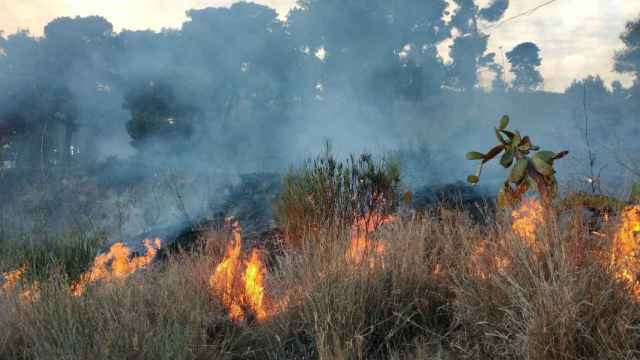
column 164, row 119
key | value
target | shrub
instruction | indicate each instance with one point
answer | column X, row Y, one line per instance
column 326, row 193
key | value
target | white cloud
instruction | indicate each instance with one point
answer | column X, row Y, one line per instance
column 576, row 37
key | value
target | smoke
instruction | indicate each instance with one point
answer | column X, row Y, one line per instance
column 178, row 113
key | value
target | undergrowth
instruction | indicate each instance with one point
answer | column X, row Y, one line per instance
column 445, row 288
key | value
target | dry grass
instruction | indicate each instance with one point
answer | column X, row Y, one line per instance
column 432, row 296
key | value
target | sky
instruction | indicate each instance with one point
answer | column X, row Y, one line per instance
column 577, row 37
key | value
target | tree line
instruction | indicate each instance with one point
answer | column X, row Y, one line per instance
column 82, row 91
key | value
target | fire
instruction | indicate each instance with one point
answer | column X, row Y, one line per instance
column 116, row 264
column 239, row 282
column 486, row 258
column 360, row 243
column 11, row 280
column 528, row 218
column 627, row 248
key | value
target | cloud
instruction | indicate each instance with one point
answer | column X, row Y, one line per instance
column 577, row 37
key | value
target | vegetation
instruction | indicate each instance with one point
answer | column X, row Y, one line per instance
column 107, row 134
column 448, row 289
column 325, row 192
column 535, row 172
column 68, row 255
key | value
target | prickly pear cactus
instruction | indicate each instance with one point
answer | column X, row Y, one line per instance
column 529, row 167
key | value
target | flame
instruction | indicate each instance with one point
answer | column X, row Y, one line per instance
column 253, row 284
column 239, row 283
column 11, row 280
column 486, row 258
column 527, row 219
column 626, row 248
column 116, row 264
column 361, row 245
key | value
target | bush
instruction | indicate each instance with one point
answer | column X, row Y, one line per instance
column 325, row 193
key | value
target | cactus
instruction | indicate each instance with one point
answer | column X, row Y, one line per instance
column 528, row 171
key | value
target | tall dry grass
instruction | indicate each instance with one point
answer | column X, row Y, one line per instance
column 445, row 288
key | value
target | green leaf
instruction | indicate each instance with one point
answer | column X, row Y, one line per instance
column 474, row 155
column 561, row 154
column 519, row 170
column 507, row 158
column 493, row 153
column 542, row 166
column 504, row 122
column 525, row 144
column 546, row 156
column 510, row 136
column 500, row 138
column 517, row 138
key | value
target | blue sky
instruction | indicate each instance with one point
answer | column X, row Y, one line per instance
column 577, row 37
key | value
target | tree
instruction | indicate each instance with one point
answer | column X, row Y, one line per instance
column 159, row 122
column 375, row 49
column 525, row 60
column 628, row 59
column 469, row 48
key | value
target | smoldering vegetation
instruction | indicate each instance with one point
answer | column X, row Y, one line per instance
column 190, row 193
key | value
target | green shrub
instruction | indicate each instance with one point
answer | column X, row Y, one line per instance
column 325, row 193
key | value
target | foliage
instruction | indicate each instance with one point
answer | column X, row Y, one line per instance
column 157, row 114
column 527, row 172
column 468, row 49
column 325, row 192
column 628, row 60
column 524, row 60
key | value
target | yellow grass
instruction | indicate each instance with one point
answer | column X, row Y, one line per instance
column 443, row 288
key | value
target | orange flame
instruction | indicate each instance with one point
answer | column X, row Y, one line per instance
column 626, row 248
column 240, row 283
column 361, row 245
column 11, row 280
column 116, row 264
column 527, row 219
column 486, row 259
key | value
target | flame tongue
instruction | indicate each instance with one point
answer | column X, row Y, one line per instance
column 527, row 219
column 361, row 245
column 253, row 280
column 627, row 248
column 116, row 264
column 12, row 278
column 239, row 282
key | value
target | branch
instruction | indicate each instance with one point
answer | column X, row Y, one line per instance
column 522, row 14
